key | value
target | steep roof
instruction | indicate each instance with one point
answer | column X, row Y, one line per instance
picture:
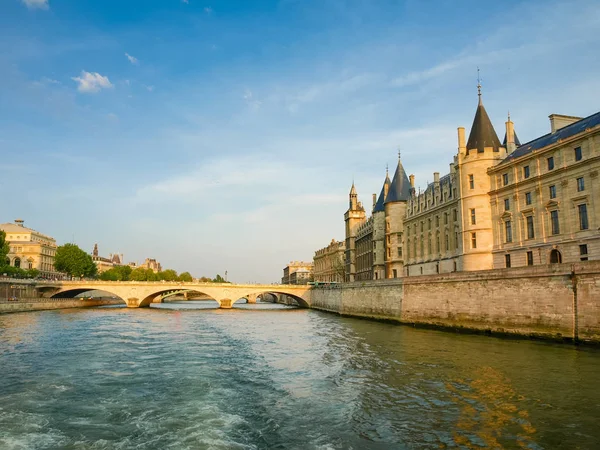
column 379, row 206
column 517, row 142
column 400, row 188
column 551, row 138
column 482, row 132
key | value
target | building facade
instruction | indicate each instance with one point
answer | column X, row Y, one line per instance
column 545, row 197
column 306, row 272
column 328, row 263
column 500, row 205
column 151, row 264
column 30, row 249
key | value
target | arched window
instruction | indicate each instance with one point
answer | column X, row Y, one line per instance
column 30, row 264
column 555, row 257
column 17, row 262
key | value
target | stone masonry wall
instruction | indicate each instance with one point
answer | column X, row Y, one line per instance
column 554, row 301
column 45, row 304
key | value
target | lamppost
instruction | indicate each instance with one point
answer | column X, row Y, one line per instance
column 225, row 276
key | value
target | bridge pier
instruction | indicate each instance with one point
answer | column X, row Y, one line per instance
column 133, row 303
column 251, row 298
column 226, row 303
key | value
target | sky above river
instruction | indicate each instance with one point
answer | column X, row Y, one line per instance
column 221, row 135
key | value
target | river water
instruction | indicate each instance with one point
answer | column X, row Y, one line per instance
column 269, row 377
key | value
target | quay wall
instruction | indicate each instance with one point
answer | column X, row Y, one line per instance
column 40, row 304
column 559, row 301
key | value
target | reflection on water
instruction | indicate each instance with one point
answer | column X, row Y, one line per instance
column 290, row 379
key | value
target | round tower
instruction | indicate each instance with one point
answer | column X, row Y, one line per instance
column 481, row 151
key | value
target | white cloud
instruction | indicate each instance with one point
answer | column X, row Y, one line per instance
column 187, row 2
column 208, row 10
column 90, row 82
column 132, row 59
column 149, row 88
column 39, row 4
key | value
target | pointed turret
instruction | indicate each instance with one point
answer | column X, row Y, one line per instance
column 353, row 197
column 482, row 133
column 379, row 206
column 399, row 190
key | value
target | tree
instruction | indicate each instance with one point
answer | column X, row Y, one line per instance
column 70, row 259
column 168, row 275
column 186, row 277
column 116, row 273
column 219, row 279
column 4, row 248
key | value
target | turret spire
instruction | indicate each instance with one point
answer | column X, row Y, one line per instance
column 479, row 86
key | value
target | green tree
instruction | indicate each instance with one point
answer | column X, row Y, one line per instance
column 219, row 279
column 70, row 259
column 138, row 274
column 168, row 275
column 116, row 273
column 4, row 248
column 186, row 277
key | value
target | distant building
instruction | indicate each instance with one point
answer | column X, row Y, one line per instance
column 30, row 249
column 103, row 264
column 151, row 264
column 329, row 263
column 305, row 275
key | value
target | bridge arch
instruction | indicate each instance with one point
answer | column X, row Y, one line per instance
column 74, row 292
column 160, row 293
column 301, row 302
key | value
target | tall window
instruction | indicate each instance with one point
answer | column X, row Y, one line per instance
column 583, row 217
column 437, row 243
column 551, row 163
column 455, row 212
column 421, row 226
column 554, row 220
column 429, row 245
column 580, row 185
column 528, row 198
column 530, row 258
column 530, row 229
column 577, row 153
column 473, row 221
column 507, row 260
column 508, row 230
column 445, row 218
column 400, row 252
column 504, row 179
column 506, row 204
column 473, row 240
column 471, row 182
column 437, row 221
column 446, row 242
column 429, row 224
column 552, row 191
column 526, row 172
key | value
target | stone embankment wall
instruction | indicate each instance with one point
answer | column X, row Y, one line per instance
column 40, row 304
column 560, row 301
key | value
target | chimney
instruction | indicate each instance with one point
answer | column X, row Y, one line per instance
column 374, row 200
column 510, row 136
column 19, row 222
column 436, row 177
column 462, row 144
column 558, row 121
column 451, row 168
column 412, row 181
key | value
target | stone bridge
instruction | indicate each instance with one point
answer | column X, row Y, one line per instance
column 139, row 294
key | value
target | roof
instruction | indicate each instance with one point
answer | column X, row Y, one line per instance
column 379, row 206
column 517, row 142
column 14, row 228
column 482, row 132
column 552, row 138
column 400, row 188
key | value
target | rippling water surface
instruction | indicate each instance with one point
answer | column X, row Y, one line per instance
column 180, row 377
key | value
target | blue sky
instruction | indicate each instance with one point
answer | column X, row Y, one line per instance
column 224, row 135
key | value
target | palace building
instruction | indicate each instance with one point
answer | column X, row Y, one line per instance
column 499, row 205
column 30, row 249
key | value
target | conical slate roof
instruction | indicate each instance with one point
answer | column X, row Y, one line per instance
column 379, row 206
column 517, row 142
column 482, row 132
column 353, row 189
column 400, row 187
